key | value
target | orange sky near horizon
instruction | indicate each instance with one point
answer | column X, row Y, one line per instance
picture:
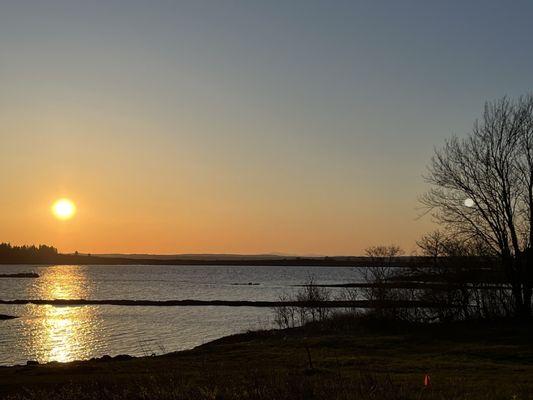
column 161, row 211
column 141, row 195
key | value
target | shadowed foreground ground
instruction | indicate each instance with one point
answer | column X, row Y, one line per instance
column 350, row 360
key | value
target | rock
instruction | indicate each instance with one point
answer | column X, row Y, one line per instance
column 122, row 357
column 32, row 362
column 106, row 357
column 20, row 275
column 3, row 316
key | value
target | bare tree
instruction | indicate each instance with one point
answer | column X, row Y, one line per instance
column 381, row 263
column 433, row 245
column 311, row 308
column 378, row 274
column 482, row 189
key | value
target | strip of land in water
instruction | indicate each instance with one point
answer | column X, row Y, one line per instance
column 200, row 260
column 409, row 285
column 20, row 275
column 228, row 303
column 222, row 259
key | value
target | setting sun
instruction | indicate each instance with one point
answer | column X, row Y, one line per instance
column 63, row 209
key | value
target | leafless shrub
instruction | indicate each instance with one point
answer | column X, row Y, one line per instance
column 310, row 307
column 286, row 316
column 462, row 277
column 377, row 275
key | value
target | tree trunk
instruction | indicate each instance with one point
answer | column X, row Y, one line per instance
column 527, row 301
column 517, row 297
column 527, row 270
column 518, row 269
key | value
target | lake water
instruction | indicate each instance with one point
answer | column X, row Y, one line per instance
column 49, row 333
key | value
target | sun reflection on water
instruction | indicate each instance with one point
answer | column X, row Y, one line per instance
column 63, row 282
column 64, row 333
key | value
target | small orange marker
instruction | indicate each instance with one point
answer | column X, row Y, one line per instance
column 427, row 381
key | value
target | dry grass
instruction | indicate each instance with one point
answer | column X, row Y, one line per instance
column 351, row 358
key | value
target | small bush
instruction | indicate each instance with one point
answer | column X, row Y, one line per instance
column 311, row 307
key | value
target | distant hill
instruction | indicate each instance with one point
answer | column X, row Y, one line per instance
column 200, row 256
column 222, row 259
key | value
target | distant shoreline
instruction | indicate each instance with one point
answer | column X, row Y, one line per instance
column 66, row 259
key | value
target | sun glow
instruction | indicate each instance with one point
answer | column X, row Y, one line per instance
column 63, row 209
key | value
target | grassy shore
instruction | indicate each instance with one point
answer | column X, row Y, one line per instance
column 347, row 358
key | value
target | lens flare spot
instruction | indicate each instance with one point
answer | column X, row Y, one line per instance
column 469, row 202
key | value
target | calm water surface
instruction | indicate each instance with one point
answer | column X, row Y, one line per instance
column 49, row 333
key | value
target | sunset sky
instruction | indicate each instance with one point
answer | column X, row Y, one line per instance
column 300, row 127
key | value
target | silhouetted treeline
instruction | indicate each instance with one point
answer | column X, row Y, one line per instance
column 27, row 254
